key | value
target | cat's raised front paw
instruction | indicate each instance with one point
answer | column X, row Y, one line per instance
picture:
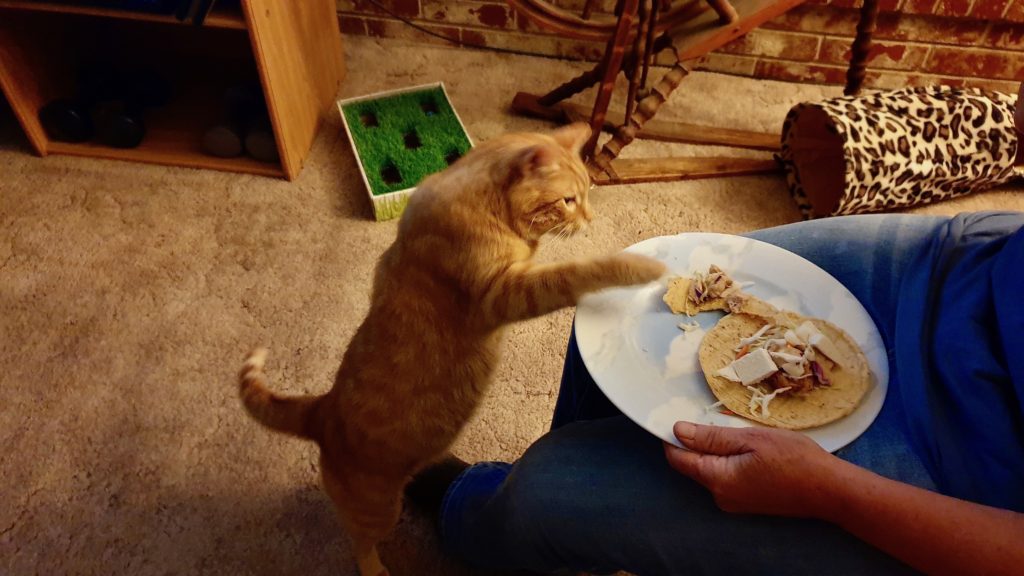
column 637, row 269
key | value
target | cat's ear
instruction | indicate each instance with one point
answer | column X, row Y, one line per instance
column 573, row 136
column 538, row 158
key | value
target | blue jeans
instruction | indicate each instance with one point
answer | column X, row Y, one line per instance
column 595, row 494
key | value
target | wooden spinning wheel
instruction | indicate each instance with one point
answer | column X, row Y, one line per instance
column 639, row 30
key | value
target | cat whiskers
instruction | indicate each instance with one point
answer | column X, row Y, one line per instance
column 561, row 231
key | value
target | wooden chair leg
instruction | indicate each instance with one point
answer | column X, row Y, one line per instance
column 646, row 110
column 575, row 86
column 649, row 45
column 638, row 57
column 588, row 9
column 726, row 13
column 861, row 47
column 613, row 55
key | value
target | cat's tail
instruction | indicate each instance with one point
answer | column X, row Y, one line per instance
column 291, row 415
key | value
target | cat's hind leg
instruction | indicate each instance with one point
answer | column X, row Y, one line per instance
column 369, row 506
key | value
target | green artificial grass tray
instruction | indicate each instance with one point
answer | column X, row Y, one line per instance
column 399, row 138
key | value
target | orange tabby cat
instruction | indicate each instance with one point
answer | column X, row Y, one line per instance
column 459, row 271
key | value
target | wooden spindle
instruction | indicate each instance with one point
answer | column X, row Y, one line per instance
column 649, row 45
column 646, row 110
column 861, row 47
column 614, row 54
column 726, row 13
column 588, row 9
column 637, row 56
column 574, row 86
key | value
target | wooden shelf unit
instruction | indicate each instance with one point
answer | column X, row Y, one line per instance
column 293, row 48
column 218, row 17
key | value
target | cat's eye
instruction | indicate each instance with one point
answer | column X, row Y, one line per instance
column 569, row 200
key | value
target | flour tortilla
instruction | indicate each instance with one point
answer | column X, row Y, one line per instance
column 851, row 379
column 677, row 298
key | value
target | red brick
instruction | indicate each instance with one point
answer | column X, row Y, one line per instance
column 382, row 28
column 812, row 19
column 576, row 6
column 494, row 15
column 810, row 43
column 883, row 5
column 989, row 9
column 775, row 44
column 996, row 85
column 473, row 38
column 360, row 6
column 919, row 6
column 728, row 64
column 997, row 65
column 531, row 43
column 468, row 13
column 353, row 25
column 1005, row 35
column 885, row 55
column 930, row 29
column 800, row 72
column 580, row 50
column 891, row 26
column 1016, row 12
column 954, row 8
column 404, row 8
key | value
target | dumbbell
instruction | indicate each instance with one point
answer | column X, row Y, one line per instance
column 109, row 108
column 70, row 119
column 119, row 122
column 245, row 126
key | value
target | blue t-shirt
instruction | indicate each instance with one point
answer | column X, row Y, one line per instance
column 960, row 358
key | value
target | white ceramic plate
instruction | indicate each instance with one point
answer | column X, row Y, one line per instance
column 631, row 343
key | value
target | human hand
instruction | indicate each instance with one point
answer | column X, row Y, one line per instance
column 756, row 470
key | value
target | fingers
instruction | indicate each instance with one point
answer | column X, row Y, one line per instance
column 683, row 461
column 717, row 440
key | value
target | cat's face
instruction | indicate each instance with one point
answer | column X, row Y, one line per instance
column 549, row 184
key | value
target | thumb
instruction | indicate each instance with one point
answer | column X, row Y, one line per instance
column 718, row 440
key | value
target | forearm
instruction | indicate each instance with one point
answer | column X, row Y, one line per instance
column 933, row 533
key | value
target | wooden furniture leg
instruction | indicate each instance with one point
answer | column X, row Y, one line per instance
column 614, row 54
column 638, row 57
column 588, row 9
column 726, row 13
column 646, row 110
column 649, row 46
column 574, row 86
column 861, row 47
column 691, row 31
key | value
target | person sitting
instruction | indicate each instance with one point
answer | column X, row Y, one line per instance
column 936, row 483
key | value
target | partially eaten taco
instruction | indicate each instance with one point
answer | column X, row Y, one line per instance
column 782, row 369
column 700, row 292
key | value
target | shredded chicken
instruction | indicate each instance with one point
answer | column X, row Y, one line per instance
column 798, row 368
column 709, row 286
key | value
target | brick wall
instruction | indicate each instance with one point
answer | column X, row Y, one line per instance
column 918, row 42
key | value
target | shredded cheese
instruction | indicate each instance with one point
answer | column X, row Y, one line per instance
column 711, row 407
column 754, row 338
column 689, row 326
column 760, row 400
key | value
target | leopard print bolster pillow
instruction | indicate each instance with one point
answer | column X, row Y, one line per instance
column 898, row 148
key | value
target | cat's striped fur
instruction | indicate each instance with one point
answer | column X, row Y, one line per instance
column 459, row 271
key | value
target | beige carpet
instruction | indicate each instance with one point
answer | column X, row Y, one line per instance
column 129, row 294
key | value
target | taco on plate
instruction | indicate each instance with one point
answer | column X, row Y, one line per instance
column 782, row 369
column 700, row 292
